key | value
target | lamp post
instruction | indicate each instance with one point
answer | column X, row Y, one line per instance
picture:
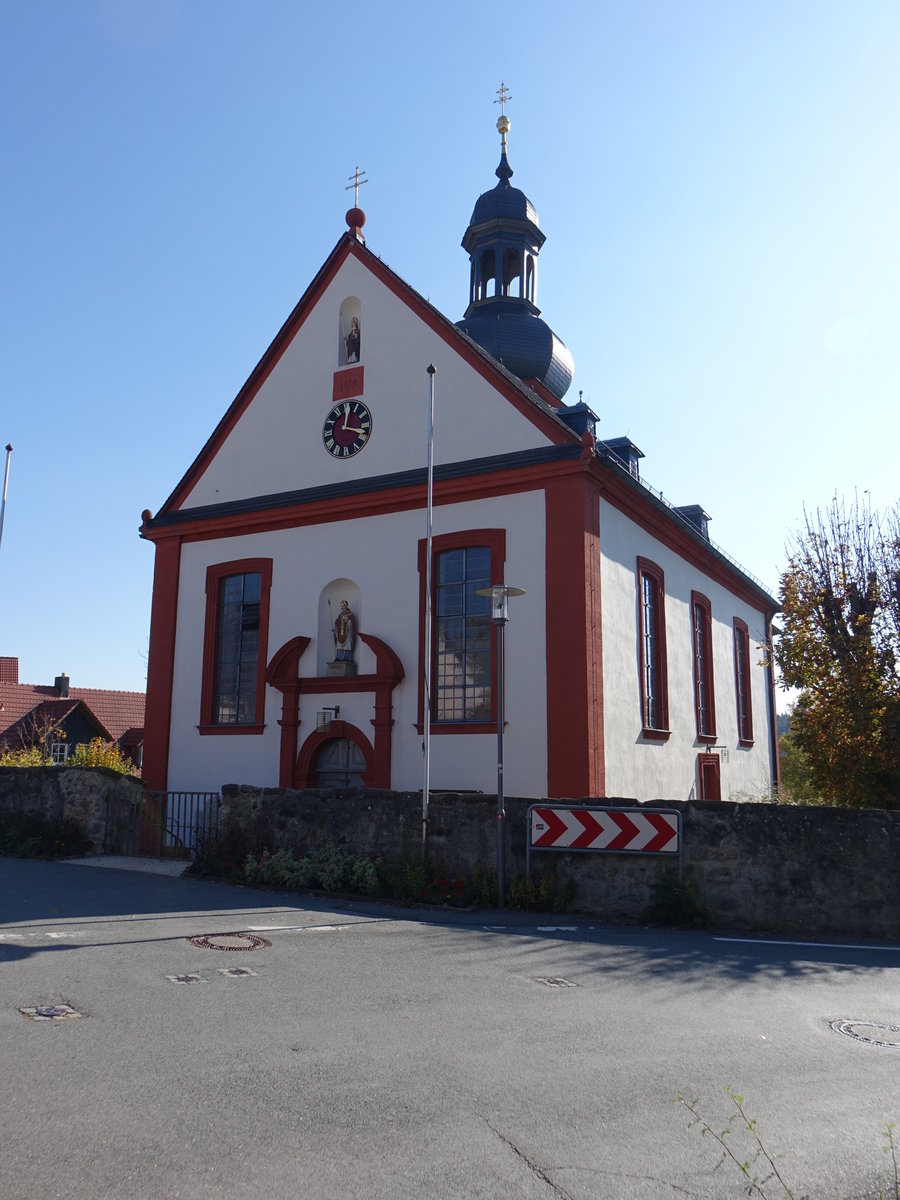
column 499, row 595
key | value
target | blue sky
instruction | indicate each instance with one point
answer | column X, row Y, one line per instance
column 719, row 185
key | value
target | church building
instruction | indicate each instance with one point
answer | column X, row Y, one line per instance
column 291, row 634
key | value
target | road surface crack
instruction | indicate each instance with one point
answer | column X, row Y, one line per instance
column 532, row 1166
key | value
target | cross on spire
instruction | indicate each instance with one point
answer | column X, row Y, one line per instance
column 503, row 93
column 356, row 183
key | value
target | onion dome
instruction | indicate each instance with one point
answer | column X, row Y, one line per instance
column 503, row 241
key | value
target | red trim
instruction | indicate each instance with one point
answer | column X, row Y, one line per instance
column 283, row 673
column 551, row 426
column 575, row 747
column 710, row 775
column 742, row 653
column 348, row 382
column 161, row 664
column 663, row 526
column 495, row 540
column 698, row 600
column 304, row 774
column 228, row 730
column 374, row 504
column 654, row 572
column 214, row 576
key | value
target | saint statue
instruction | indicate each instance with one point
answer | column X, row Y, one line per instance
column 351, row 341
column 344, row 631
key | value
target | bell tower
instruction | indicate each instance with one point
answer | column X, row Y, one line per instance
column 503, row 241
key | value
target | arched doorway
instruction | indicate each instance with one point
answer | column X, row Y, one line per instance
column 339, row 763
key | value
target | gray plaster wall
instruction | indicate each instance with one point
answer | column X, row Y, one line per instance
column 757, row 867
column 93, row 798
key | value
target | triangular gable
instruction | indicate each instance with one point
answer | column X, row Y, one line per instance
column 525, row 400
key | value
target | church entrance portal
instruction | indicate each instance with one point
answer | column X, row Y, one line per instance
column 339, row 764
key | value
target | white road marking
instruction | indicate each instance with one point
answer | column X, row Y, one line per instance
column 814, row 945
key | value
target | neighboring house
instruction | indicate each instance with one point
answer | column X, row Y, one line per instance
column 636, row 664
column 61, row 717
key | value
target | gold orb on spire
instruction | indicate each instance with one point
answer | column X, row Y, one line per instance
column 503, row 125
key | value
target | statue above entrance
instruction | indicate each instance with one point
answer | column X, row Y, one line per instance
column 343, row 630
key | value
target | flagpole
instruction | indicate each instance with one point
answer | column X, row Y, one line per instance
column 429, row 509
column 5, row 485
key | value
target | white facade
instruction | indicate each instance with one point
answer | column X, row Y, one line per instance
column 510, row 471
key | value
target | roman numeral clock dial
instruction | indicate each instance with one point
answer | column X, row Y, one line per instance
column 347, row 428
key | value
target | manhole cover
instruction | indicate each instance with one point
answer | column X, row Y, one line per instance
column 862, row 1031
column 554, row 981
column 235, row 972
column 185, row 979
column 52, row 1012
column 229, row 941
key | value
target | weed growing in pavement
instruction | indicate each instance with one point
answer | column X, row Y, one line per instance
column 760, row 1168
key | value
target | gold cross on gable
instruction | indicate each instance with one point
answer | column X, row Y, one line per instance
column 503, row 93
column 356, row 182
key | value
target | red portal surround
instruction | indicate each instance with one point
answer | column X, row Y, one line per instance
column 306, row 760
column 283, row 673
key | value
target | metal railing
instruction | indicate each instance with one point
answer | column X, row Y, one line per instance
column 161, row 824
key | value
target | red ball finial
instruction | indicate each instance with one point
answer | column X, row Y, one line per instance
column 355, row 219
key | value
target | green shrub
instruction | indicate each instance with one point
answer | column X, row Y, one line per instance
column 28, row 756
column 676, row 902
column 330, row 868
column 98, row 753
column 32, row 835
column 549, row 894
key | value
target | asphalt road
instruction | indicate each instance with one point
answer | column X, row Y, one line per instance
column 378, row 1052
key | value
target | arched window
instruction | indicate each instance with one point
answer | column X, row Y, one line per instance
column 529, row 279
column 487, row 267
column 512, row 270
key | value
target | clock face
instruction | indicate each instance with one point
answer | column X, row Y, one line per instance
column 347, row 428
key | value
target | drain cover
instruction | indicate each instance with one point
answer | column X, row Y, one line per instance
column 52, row 1012
column 554, row 981
column 229, row 941
column 861, row 1031
column 234, row 972
column 185, row 979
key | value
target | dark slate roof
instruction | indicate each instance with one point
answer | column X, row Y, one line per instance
column 524, row 343
column 505, row 203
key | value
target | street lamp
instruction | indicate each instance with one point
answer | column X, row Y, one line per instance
column 499, row 595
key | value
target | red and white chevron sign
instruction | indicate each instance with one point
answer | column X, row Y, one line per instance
column 604, row 829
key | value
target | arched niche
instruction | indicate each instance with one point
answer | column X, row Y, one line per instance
column 329, row 606
column 349, row 332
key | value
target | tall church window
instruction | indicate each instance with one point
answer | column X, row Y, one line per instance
column 234, row 646
column 704, row 695
column 742, row 682
column 462, row 636
column 464, row 645
column 652, row 634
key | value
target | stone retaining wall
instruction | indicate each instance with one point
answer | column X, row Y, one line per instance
column 81, row 795
column 757, row 866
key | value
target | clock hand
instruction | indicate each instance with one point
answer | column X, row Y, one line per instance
column 352, row 428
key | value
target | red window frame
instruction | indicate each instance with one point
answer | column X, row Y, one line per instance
column 495, row 540
column 215, row 575
column 710, row 772
column 652, row 579
column 742, row 677
column 704, row 689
